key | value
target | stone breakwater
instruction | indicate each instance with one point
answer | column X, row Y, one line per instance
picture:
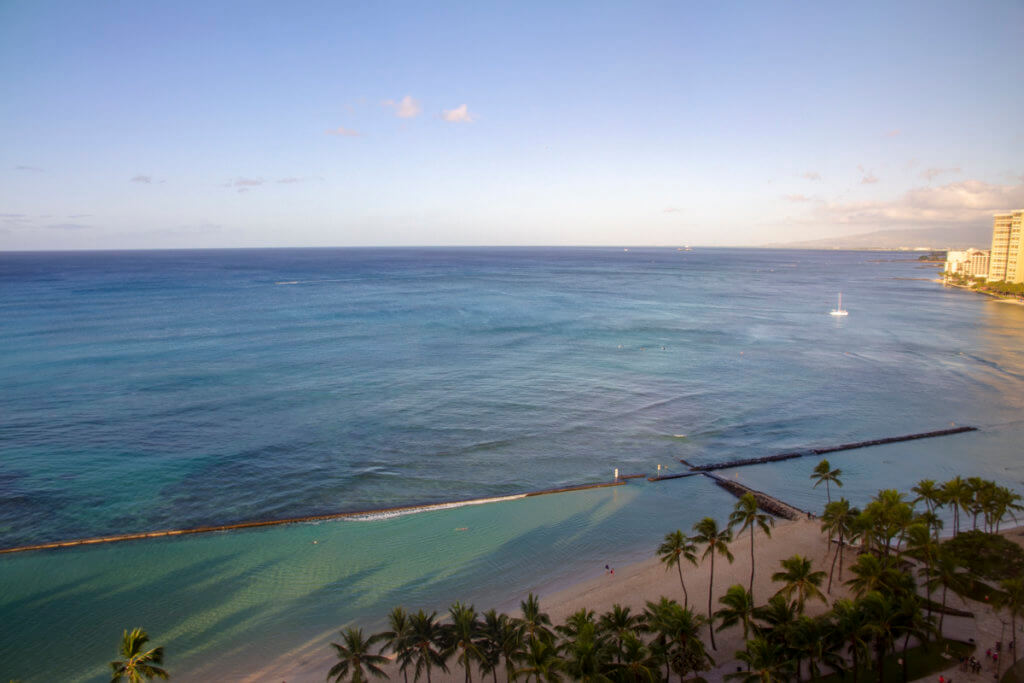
column 769, row 504
column 830, row 449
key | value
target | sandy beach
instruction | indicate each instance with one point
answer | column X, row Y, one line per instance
column 634, row 585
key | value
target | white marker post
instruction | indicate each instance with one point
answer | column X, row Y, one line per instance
column 616, row 472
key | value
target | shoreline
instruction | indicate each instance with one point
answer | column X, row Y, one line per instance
column 634, row 584
column 631, row 585
column 999, row 298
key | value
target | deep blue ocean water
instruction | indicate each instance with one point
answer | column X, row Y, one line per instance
column 152, row 390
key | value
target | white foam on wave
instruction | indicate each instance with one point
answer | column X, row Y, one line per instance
column 388, row 514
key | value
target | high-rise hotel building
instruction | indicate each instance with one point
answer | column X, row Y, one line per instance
column 1007, row 260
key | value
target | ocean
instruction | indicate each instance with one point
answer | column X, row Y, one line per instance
column 171, row 389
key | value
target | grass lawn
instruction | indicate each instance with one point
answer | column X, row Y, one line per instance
column 921, row 661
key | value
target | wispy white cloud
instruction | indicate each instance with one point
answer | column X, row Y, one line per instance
column 869, row 177
column 811, row 175
column 965, row 202
column 142, row 179
column 27, row 168
column 405, row 108
column 672, row 209
column 796, row 197
column 344, row 132
column 458, row 115
column 69, row 226
column 932, row 173
column 15, row 218
column 242, row 184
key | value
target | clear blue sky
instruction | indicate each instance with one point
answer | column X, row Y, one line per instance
column 177, row 124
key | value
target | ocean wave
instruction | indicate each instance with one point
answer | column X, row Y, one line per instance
column 400, row 512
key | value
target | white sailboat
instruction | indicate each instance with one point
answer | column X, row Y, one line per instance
column 839, row 309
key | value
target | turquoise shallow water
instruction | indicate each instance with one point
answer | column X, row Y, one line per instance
column 156, row 390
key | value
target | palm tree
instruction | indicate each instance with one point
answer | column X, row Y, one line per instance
column 428, row 642
column 575, row 622
column 638, row 661
column 676, row 548
column 871, row 573
column 824, row 473
column 886, row 518
column 396, row 639
column 929, row 492
column 490, row 642
column 717, row 542
column 541, row 661
column 464, row 630
column 739, row 609
column 957, row 493
column 355, row 660
column 1005, row 502
column 507, row 634
column 800, row 578
column 747, row 516
column 838, row 521
column 911, row 623
column 587, row 655
column 945, row 571
column 767, row 662
column 851, row 629
column 922, row 547
column 138, row 664
column 657, row 616
column 536, row 624
column 882, row 616
column 778, row 615
column 618, row 623
column 678, row 635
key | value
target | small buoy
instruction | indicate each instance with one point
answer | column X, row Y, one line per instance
column 315, row 542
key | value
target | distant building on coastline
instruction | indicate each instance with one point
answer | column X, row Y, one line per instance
column 1007, row 260
column 972, row 263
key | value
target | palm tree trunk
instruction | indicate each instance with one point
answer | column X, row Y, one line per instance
column 880, row 659
column 831, row 571
column 751, row 563
column 943, row 615
column 686, row 597
column 841, row 548
column 928, row 585
column 711, row 585
column 828, row 491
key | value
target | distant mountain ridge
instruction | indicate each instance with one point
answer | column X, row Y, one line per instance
column 962, row 237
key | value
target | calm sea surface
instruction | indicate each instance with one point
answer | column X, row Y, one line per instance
column 152, row 390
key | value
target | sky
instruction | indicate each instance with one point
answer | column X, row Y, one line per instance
column 273, row 124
